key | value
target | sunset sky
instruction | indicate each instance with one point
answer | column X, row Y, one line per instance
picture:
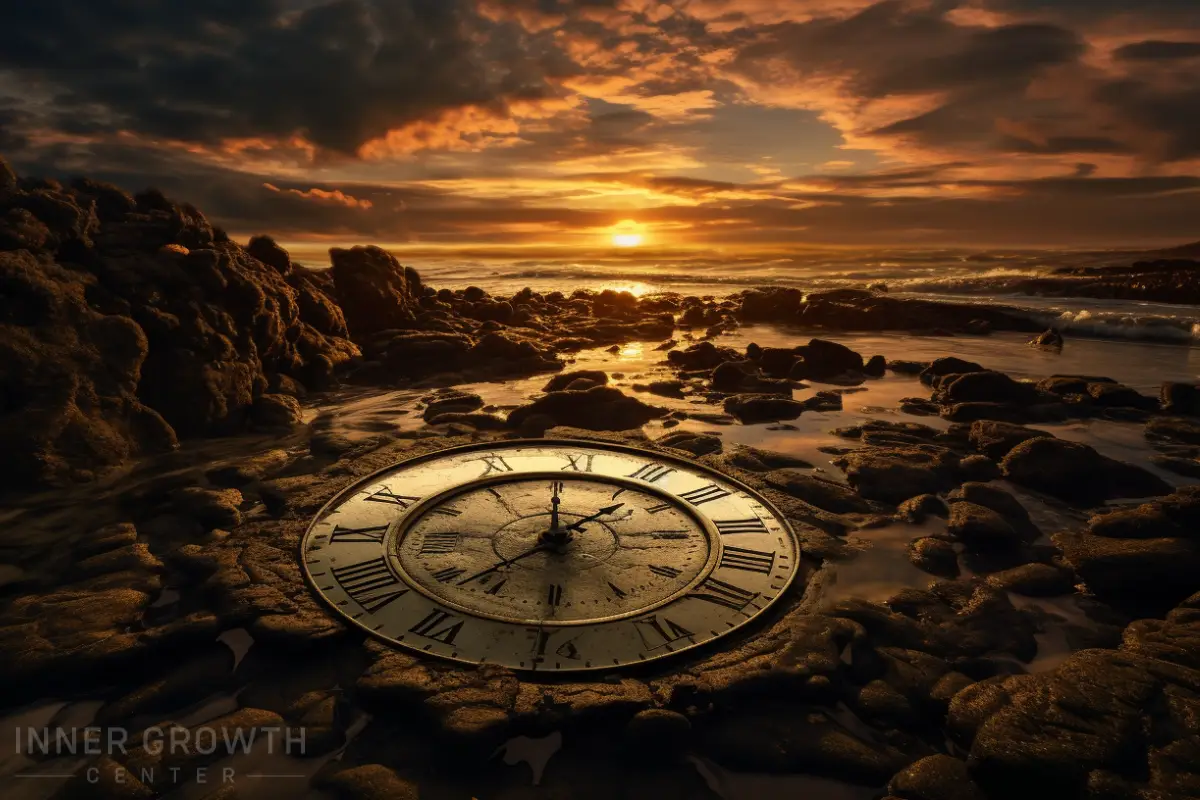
column 538, row 126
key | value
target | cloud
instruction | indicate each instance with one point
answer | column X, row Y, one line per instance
column 1158, row 51
column 336, row 196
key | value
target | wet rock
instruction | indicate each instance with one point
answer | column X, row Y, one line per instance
column 978, row 468
column 903, row 367
column 981, row 528
column 698, row 444
column 662, row 388
column 1050, row 339
column 704, row 355
column 560, row 382
column 368, row 782
column 1034, row 580
column 950, row 365
column 824, row 359
column 935, row 556
column 213, row 508
column 875, row 367
column 996, row 439
column 936, row 777
column 1147, row 521
column 895, row 475
column 822, row 493
column 601, row 409
column 1173, row 429
column 1180, row 398
column 450, row 402
column 275, row 412
column 1077, row 473
column 751, row 409
column 984, row 387
column 917, row 509
column 1001, row 502
column 1143, row 574
column 374, row 291
column 758, row 460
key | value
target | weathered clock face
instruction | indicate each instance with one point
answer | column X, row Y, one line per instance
column 550, row 555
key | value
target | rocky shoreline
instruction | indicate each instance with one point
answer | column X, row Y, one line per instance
column 129, row 325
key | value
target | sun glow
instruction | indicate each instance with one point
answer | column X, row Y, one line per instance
column 627, row 233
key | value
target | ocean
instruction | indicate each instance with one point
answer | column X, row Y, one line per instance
column 950, row 275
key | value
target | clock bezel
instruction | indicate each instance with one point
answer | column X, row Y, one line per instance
column 331, row 607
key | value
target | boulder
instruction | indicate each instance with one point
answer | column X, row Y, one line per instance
column 822, row 493
column 824, row 359
column 1077, row 473
column 1034, row 580
column 895, row 475
column 749, row 409
column 1144, row 575
column 603, row 408
column 995, row 439
column 1180, row 398
column 375, row 292
column 950, row 365
column 981, row 528
column 984, row 387
column 935, row 556
column 268, row 251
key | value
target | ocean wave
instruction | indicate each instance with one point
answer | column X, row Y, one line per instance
column 1119, row 325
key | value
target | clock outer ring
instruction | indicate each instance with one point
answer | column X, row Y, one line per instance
column 416, row 513
column 433, row 455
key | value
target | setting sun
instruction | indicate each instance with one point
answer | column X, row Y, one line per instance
column 627, row 233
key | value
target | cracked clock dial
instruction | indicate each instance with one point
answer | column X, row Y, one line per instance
column 549, row 555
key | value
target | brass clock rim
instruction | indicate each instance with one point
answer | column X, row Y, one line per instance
column 354, row 487
column 413, row 515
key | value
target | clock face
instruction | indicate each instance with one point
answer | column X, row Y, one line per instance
column 550, row 555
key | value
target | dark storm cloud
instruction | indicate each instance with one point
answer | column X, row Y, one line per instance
column 1168, row 116
column 1158, row 51
column 339, row 73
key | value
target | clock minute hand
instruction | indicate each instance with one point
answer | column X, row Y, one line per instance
column 536, row 549
column 602, row 512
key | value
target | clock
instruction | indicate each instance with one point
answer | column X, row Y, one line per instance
column 549, row 555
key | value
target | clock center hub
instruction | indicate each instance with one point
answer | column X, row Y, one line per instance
column 579, row 549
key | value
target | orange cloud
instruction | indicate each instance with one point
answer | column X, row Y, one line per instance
column 335, row 197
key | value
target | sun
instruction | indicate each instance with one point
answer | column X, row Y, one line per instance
column 626, row 233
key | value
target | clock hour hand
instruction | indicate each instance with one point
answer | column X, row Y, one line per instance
column 536, row 549
column 578, row 526
column 554, row 501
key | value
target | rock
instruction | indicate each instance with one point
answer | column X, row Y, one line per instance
column 1051, row 339
column 1180, row 398
column 368, row 782
column 935, row 556
column 984, row 387
column 563, row 380
column 1114, row 395
column 996, row 439
column 768, row 459
column 248, row 470
column 895, row 475
column 1147, row 521
column 941, row 367
column 698, row 444
column 875, row 367
column 1001, row 502
column 450, row 402
column 275, row 412
column 268, row 251
column 704, row 355
column 657, row 733
column 825, row 359
column 936, row 777
column 978, row 468
column 662, row 388
column 1034, row 580
column 917, row 509
column 981, row 528
column 1173, row 429
column 750, row 409
column 822, row 493
column 601, row 409
column 213, row 508
column 1077, row 473
column 1141, row 574
column 375, row 292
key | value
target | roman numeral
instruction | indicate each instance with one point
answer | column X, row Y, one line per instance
column 655, row 633
column 542, row 639
column 616, row 590
column 369, row 583
column 705, row 494
column 666, row 572
column 732, row 526
column 578, row 463
column 658, row 508
column 554, row 596
column 438, row 542
column 374, row 535
column 651, row 473
column 749, row 560
column 493, row 464
column 386, row 495
column 447, row 512
column 724, row 594
column 438, row 626
column 496, row 589
column 448, row 574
